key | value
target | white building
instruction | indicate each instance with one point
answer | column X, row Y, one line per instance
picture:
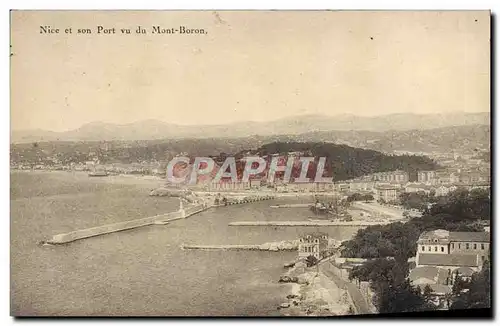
column 313, row 244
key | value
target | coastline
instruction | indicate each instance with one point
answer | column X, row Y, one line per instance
column 314, row 295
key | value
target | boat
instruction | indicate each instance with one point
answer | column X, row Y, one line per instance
column 320, row 209
column 98, row 174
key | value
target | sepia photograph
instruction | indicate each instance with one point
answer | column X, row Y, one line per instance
column 250, row 163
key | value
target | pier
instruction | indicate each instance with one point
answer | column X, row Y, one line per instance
column 292, row 205
column 249, row 200
column 238, row 201
column 162, row 219
column 269, row 246
column 222, row 247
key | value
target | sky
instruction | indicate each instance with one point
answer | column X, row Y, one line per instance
column 250, row 65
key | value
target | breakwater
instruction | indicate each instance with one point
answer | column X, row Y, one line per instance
column 221, row 247
column 292, row 205
column 270, row 246
column 245, row 200
column 126, row 225
column 305, row 223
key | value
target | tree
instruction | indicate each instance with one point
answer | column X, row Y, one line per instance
column 448, row 297
column 478, row 291
column 359, row 197
column 427, row 294
column 311, row 261
column 402, row 297
column 459, row 285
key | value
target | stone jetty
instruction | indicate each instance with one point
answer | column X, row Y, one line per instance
column 127, row 225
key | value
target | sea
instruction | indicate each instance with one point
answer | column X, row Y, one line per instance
column 144, row 271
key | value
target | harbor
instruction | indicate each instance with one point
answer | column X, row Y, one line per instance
column 268, row 249
column 196, row 205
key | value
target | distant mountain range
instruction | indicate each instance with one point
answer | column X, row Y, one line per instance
column 153, row 129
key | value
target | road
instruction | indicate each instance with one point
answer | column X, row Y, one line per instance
column 355, row 293
column 376, row 208
column 306, row 223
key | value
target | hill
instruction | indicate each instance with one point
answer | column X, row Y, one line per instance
column 153, row 129
column 345, row 162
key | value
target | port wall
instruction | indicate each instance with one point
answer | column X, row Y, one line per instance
column 127, row 225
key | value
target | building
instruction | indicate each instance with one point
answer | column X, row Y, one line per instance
column 444, row 256
column 361, row 185
column 425, row 275
column 418, row 187
column 451, row 262
column 471, row 177
column 444, row 190
column 313, row 244
column 438, row 279
column 445, row 177
column 426, row 176
column 255, row 183
column 452, row 250
column 386, row 193
column 342, row 187
column 228, row 186
column 392, row 176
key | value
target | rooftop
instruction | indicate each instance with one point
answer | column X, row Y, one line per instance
column 316, row 234
column 443, row 235
column 435, row 234
column 437, row 275
column 448, row 260
column 470, row 236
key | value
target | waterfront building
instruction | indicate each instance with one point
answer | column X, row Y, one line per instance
column 313, row 244
column 228, row 186
column 255, row 183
